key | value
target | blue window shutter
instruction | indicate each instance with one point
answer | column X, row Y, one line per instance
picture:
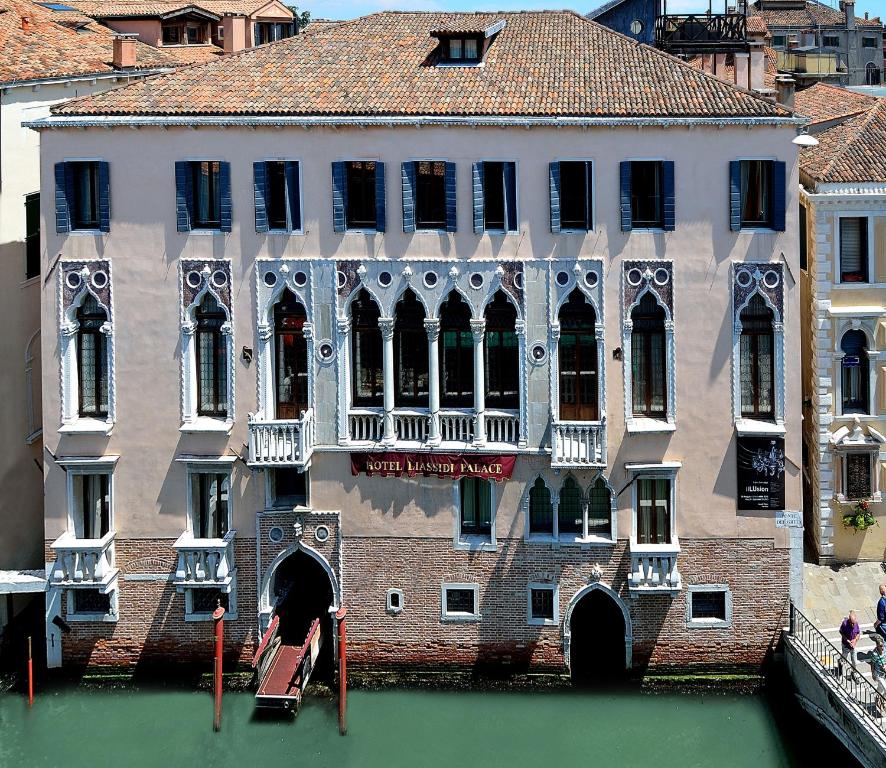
column 62, row 212
column 450, row 197
column 554, row 177
column 339, row 196
column 224, row 194
column 379, row 197
column 293, row 194
column 259, row 182
column 779, row 192
column 408, row 180
column 477, row 185
column 670, row 215
column 625, row 195
column 184, row 195
column 104, row 197
column 510, row 172
column 735, row 195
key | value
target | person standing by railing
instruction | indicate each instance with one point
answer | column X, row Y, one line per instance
column 877, row 660
column 880, row 623
column 849, row 634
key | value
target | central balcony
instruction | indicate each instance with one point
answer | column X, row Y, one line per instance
column 282, row 442
column 654, row 569
column 205, row 562
column 578, row 444
column 413, row 428
column 83, row 562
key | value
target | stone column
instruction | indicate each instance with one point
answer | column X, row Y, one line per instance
column 266, row 373
column 522, row 385
column 478, row 329
column 386, row 324
column 343, row 328
column 189, row 373
column 70, row 383
column 432, row 328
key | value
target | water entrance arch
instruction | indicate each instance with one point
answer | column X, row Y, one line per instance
column 597, row 634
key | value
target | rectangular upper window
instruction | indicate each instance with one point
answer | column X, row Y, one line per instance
column 203, row 195
column 466, row 50
column 853, row 249
column 572, row 198
column 647, row 195
column 358, row 195
column 92, row 505
column 32, row 235
column 778, row 41
column 709, row 606
column 757, row 193
column 210, row 510
column 277, row 196
column 82, row 197
column 459, row 602
column 288, row 487
column 270, row 32
column 653, row 510
column 859, row 475
column 495, row 196
column 476, row 506
column 830, row 41
column 869, row 42
column 428, row 195
column 542, row 604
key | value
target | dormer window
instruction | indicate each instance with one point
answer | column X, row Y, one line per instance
column 466, row 46
column 465, row 49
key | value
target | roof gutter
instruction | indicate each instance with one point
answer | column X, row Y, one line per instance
column 118, row 74
column 393, row 121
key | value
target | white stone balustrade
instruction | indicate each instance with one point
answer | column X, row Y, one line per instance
column 578, row 444
column 281, row 443
column 457, row 426
column 654, row 568
column 411, row 426
column 365, row 425
column 83, row 561
column 502, row 427
column 204, row 561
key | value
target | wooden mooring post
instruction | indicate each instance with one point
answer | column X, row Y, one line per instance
column 30, row 674
column 342, row 671
column 218, row 617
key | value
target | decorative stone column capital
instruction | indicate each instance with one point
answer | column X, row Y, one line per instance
column 69, row 329
column 189, row 328
column 265, row 332
column 555, row 331
column 343, row 324
column 478, row 329
column 520, row 327
column 432, row 328
column 386, row 326
column 307, row 330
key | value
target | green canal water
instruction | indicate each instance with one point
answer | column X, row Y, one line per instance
column 77, row 728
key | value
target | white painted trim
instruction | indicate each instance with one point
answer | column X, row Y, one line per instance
column 693, row 623
column 474, row 542
column 667, row 470
column 550, row 587
column 870, row 257
column 202, row 466
column 389, row 607
column 126, row 75
column 108, row 618
column 445, row 616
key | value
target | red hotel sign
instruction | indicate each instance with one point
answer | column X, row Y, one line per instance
column 454, row 465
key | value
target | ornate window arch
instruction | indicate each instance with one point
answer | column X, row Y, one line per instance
column 539, row 502
column 601, row 517
column 206, row 288
column 757, row 287
column 652, row 281
column 86, row 335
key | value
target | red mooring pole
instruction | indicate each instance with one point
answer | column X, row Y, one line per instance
column 342, row 671
column 218, row 617
column 30, row 675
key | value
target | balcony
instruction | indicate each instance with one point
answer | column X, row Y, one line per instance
column 578, row 444
column 282, row 443
column 810, row 63
column 413, row 428
column 654, row 569
column 83, row 562
column 701, row 33
column 204, row 562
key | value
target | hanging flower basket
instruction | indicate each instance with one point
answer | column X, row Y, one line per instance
column 860, row 518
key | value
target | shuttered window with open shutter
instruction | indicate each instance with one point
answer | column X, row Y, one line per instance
column 853, row 250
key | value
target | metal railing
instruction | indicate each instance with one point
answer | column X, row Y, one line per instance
column 700, row 29
column 829, row 660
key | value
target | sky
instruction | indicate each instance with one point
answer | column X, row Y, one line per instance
column 348, row 9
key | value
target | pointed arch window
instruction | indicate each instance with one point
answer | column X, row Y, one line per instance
column 757, row 360
column 855, row 373
column 410, row 353
column 291, row 357
column 457, row 359
column 501, row 355
column 92, row 359
column 648, row 359
column 577, row 360
column 212, row 359
column 569, row 510
column 599, row 509
column 366, row 351
column 541, row 510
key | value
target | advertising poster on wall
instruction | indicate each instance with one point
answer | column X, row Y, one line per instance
column 760, row 473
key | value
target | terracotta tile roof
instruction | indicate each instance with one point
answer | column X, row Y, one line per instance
column 814, row 14
column 757, row 26
column 107, row 9
column 548, row 63
column 850, row 152
column 59, row 44
column 193, row 54
column 824, row 102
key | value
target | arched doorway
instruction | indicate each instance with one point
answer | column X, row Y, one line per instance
column 597, row 635
column 299, row 588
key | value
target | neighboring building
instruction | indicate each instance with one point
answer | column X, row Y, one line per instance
column 819, row 43
column 498, row 357
column 196, row 31
column 843, row 241
column 46, row 57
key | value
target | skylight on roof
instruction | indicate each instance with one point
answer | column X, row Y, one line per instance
column 57, row 6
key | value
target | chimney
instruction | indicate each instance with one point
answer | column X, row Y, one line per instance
column 234, row 32
column 26, row 23
column 757, row 65
column 848, row 7
column 124, row 51
column 785, row 87
column 741, row 70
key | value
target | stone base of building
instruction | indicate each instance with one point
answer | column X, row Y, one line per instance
column 654, row 630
